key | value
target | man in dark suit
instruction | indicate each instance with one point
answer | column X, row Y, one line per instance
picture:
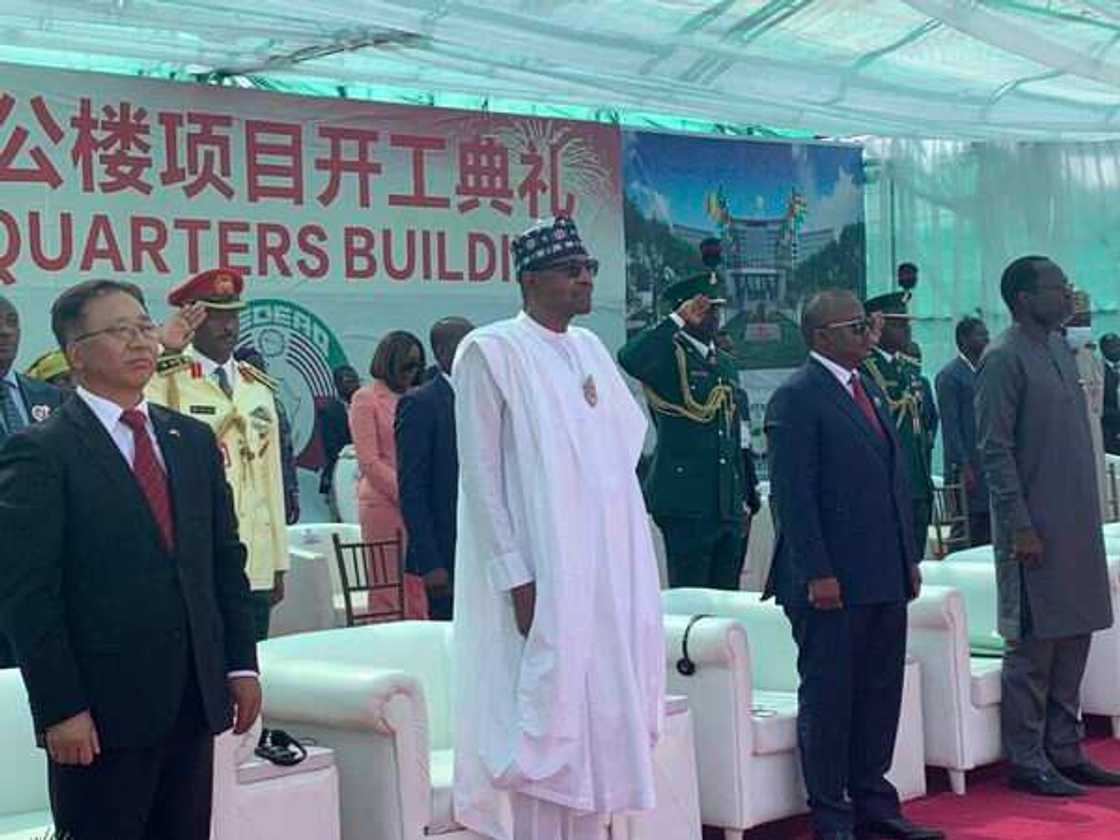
column 122, row 588
column 428, row 470
column 334, row 423
column 1110, row 416
column 844, row 566
column 956, row 394
column 22, row 401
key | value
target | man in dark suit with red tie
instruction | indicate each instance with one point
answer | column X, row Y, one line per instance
column 844, row 567
column 122, row 588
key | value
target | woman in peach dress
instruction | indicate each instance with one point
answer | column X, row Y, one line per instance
column 397, row 365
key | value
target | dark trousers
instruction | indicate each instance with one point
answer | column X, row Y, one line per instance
column 439, row 608
column 702, row 553
column 851, row 664
column 262, row 612
column 1041, row 707
column 153, row 793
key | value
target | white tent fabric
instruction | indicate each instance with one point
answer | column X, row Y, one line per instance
column 963, row 211
column 1028, row 69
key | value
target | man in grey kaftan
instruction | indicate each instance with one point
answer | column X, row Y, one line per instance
column 1037, row 456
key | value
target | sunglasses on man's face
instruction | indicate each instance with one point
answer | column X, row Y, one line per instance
column 858, row 326
column 573, row 268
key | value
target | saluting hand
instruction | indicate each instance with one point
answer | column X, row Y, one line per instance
column 177, row 331
column 694, row 310
column 74, row 740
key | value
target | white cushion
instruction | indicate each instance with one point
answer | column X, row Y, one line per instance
column 985, row 683
column 23, row 766
column 774, row 721
column 442, row 770
column 32, row 824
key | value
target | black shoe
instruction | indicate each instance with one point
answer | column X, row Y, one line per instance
column 1044, row 783
column 898, row 827
column 1087, row 773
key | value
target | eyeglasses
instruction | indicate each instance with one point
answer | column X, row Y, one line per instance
column 125, row 333
column 859, row 326
column 573, row 268
column 1040, row 289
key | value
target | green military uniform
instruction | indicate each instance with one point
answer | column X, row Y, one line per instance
column 694, row 486
column 900, row 379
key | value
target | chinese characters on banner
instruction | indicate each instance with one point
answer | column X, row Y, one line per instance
column 350, row 219
column 371, row 192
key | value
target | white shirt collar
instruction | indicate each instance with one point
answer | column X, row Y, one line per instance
column 447, row 379
column 208, row 366
column 705, row 350
column 967, row 361
column 10, row 378
column 842, row 374
column 541, row 328
column 888, row 356
column 107, row 411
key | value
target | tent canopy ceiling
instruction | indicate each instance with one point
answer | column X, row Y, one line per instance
column 1006, row 69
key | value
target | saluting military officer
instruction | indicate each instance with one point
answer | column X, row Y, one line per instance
column 204, row 381
column 694, row 486
column 900, row 379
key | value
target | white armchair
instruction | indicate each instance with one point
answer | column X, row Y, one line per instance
column 313, row 598
column 366, row 693
column 973, row 572
column 25, row 807
column 380, row 697
column 250, row 801
column 960, row 693
column 344, row 485
column 744, row 701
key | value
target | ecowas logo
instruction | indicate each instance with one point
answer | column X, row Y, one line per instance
column 301, row 352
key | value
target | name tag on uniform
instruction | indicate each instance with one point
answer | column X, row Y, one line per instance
column 203, row 409
column 698, row 374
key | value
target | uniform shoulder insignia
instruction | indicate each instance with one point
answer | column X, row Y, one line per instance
column 255, row 374
column 172, row 364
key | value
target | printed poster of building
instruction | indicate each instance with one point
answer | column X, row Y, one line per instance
column 790, row 220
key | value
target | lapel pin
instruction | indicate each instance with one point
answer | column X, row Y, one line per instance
column 173, row 432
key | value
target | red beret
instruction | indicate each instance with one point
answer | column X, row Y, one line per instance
column 218, row 288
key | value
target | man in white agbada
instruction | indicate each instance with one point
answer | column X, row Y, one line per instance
column 559, row 655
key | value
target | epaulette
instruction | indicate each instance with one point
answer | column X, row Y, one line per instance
column 255, row 374
column 172, row 363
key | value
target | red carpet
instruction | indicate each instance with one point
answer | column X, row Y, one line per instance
column 992, row 811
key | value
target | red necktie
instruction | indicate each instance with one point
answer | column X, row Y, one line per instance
column 150, row 476
column 865, row 406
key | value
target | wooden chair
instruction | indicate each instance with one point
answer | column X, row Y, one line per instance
column 950, row 520
column 373, row 573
